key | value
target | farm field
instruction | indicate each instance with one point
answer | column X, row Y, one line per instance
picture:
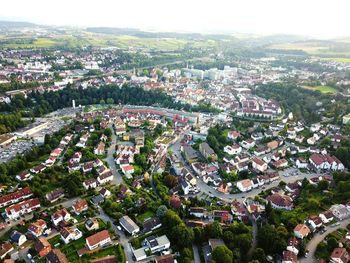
column 332, row 49
column 323, row 89
column 341, row 60
column 98, row 40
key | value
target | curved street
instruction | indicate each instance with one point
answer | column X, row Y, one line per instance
column 312, row 244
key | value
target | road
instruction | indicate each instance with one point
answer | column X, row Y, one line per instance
column 123, row 239
column 312, row 244
column 196, row 256
column 117, row 178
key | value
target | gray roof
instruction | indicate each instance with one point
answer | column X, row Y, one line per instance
column 128, row 224
column 207, row 148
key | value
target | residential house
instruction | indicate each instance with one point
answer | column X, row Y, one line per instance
column 5, row 249
column 326, row 216
column 55, row 195
column 24, row 176
column 43, row 247
column 91, row 224
column 37, row 228
column 15, row 197
column 98, row 240
column 100, row 148
column 280, row 164
column 247, row 144
column 90, row 183
column 301, row 163
column 105, row 177
column 233, row 135
column 69, row 234
column 157, row 244
column 207, row 151
column 340, row 255
column 151, row 224
column 289, row 257
column 80, row 206
column 199, row 212
column 129, row 225
column 301, row 231
column 259, row 164
column 25, row 207
column 56, row 256
column 18, row 238
column 293, row 245
column 279, row 201
column 315, row 222
column 60, row 215
column 244, row 185
column 340, row 211
column 165, row 259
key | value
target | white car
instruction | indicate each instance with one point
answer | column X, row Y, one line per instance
column 119, row 228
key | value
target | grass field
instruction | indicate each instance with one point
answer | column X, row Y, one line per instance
column 141, row 218
column 323, row 89
column 341, row 60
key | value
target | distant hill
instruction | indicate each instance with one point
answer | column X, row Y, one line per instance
column 145, row 34
column 15, row 24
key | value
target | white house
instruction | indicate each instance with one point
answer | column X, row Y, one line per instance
column 232, row 150
column 259, row 164
column 60, row 215
column 98, row 240
column 69, row 234
column 244, row 185
column 301, row 163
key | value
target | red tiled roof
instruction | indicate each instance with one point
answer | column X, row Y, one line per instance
column 97, row 238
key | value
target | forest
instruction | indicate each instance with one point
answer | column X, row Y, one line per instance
column 304, row 103
column 37, row 104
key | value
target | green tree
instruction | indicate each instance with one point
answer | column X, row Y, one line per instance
column 182, row 235
column 259, row 255
column 221, row 254
column 110, row 101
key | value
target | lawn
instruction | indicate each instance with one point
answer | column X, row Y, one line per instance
column 323, row 89
column 141, row 218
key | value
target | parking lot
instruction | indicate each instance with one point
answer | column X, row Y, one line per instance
column 16, row 147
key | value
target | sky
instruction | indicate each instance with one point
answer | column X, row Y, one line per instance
column 324, row 18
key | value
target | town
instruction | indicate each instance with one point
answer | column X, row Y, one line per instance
column 221, row 159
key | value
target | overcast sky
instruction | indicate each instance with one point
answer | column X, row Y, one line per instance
column 304, row 17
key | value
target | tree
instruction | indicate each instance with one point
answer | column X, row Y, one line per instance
column 170, row 181
column 102, row 102
column 213, row 230
column 182, row 235
column 332, row 243
column 161, row 211
column 110, row 101
column 259, row 255
column 107, row 132
column 221, row 254
column 322, row 185
column 171, row 219
column 270, row 240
